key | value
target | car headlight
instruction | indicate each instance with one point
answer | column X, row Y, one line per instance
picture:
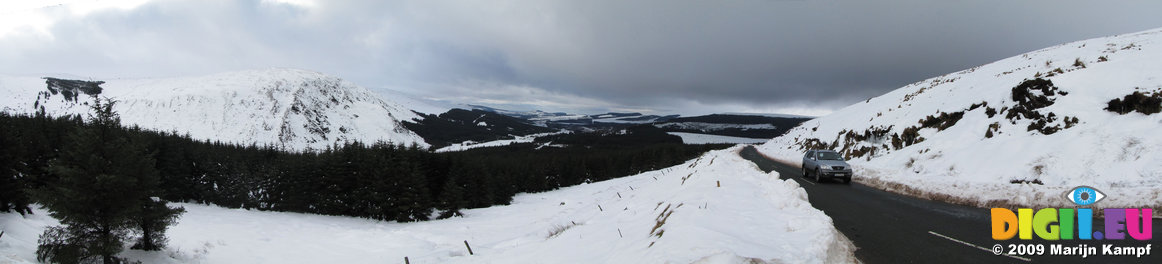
column 821, row 167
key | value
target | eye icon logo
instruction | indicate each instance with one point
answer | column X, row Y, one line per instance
column 1084, row 195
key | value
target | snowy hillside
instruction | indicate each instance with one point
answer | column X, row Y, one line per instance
column 986, row 136
column 675, row 215
column 292, row 109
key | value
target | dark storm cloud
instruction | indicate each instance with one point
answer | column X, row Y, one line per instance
column 691, row 56
column 780, row 52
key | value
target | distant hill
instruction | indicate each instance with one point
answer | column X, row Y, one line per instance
column 288, row 108
column 748, row 126
column 459, row 125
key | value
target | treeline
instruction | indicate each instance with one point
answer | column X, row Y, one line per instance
column 100, row 183
column 377, row 181
column 459, row 125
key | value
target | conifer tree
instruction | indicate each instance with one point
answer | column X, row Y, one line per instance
column 12, row 195
column 452, row 195
column 411, row 191
column 155, row 217
column 174, row 168
column 102, row 182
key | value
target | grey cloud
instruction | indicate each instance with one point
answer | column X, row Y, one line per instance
column 665, row 55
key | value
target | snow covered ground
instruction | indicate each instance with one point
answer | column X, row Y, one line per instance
column 695, row 138
column 1120, row 155
column 559, row 117
column 708, row 127
column 619, row 120
column 466, row 145
column 674, row 215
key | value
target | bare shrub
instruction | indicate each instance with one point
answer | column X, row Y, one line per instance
column 558, row 229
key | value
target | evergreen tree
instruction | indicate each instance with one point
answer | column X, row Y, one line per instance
column 155, row 217
column 102, row 181
column 452, row 195
column 380, row 181
column 12, row 194
column 411, row 190
column 41, row 138
column 175, row 168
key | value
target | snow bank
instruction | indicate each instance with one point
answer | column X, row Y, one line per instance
column 18, row 245
column 678, row 214
column 1120, row 155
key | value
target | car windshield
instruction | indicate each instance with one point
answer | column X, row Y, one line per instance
column 828, row 156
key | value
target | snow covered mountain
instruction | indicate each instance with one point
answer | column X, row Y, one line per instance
column 1019, row 131
column 291, row 109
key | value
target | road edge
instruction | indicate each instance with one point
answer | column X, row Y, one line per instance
column 907, row 190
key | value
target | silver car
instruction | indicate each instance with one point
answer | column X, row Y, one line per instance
column 826, row 164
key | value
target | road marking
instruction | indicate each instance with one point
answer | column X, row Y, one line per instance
column 971, row 245
column 803, row 180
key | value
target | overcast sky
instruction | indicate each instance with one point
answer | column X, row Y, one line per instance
column 689, row 57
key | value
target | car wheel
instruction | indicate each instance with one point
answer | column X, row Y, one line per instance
column 804, row 170
column 847, row 180
column 818, row 176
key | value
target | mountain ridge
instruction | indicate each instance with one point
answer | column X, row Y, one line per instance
column 292, row 109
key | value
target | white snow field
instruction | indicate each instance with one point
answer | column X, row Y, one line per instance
column 1120, row 155
column 674, row 215
column 466, row 145
column 696, row 138
column 288, row 108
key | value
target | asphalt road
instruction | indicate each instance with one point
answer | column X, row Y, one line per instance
column 892, row 228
